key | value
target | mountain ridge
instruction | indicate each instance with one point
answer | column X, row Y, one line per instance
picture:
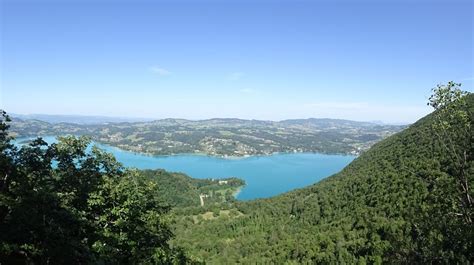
column 99, row 119
column 388, row 205
column 221, row 137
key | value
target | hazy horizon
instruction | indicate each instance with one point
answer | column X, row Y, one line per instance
column 144, row 119
column 264, row 60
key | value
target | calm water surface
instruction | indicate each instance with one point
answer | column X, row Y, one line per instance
column 265, row 176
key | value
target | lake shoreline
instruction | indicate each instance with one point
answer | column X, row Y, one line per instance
column 265, row 175
column 24, row 140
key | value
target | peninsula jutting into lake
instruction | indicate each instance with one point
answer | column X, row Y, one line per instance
column 264, row 176
column 236, row 132
column 222, row 137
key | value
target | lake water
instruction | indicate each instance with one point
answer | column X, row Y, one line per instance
column 265, row 176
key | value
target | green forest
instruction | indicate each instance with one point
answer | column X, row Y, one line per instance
column 408, row 199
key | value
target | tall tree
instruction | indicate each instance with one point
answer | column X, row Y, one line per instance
column 444, row 231
column 453, row 129
column 67, row 204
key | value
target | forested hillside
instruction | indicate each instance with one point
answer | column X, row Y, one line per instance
column 62, row 204
column 180, row 190
column 66, row 203
column 406, row 200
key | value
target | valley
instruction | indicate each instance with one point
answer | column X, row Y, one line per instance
column 236, row 132
column 405, row 200
column 264, row 176
column 222, row 137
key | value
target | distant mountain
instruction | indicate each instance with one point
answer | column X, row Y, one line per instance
column 388, row 123
column 219, row 137
column 85, row 119
column 400, row 202
column 327, row 122
column 76, row 119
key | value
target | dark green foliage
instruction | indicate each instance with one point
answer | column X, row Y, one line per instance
column 180, row 190
column 62, row 204
column 399, row 202
column 407, row 200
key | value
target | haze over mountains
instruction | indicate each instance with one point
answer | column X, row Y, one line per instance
column 221, row 137
column 394, row 204
column 404, row 201
column 236, row 132
column 78, row 119
column 87, row 119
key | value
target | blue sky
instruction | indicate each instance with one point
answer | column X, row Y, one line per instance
column 360, row 60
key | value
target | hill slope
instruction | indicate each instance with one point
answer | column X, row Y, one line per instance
column 396, row 203
column 179, row 190
column 221, row 137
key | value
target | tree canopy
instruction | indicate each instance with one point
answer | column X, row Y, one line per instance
column 65, row 204
column 408, row 199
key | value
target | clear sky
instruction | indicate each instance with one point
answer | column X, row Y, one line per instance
column 360, row 60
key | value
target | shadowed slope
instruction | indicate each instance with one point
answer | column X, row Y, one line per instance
column 389, row 204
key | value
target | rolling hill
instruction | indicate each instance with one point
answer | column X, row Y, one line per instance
column 407, row 200
column 221, row 137
column 399, row 202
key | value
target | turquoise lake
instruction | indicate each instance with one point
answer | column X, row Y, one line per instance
column 265, row 176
